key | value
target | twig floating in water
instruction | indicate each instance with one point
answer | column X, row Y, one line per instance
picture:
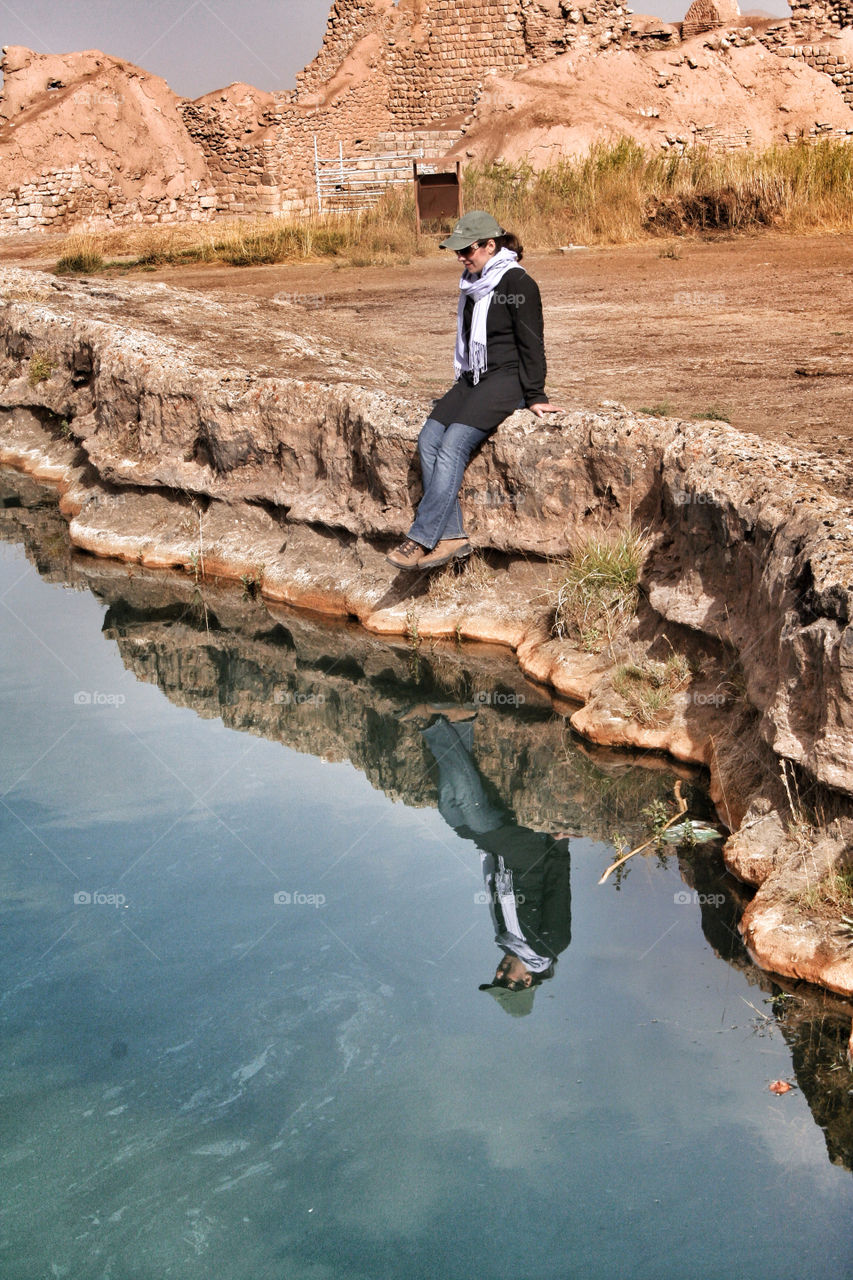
column 682, row 809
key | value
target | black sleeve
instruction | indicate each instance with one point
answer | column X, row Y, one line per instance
column 524, row 303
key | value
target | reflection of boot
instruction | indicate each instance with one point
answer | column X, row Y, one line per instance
column 408, row 555
column 448, row 549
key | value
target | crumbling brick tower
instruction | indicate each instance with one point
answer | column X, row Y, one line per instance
column 430, row 57
column 390, row 72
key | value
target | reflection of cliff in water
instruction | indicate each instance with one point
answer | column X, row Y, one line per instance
column 817, row 1032
column 337, row 692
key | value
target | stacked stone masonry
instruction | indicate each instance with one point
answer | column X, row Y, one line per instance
column 87, row 196
column 821, row 58
column 821, row 13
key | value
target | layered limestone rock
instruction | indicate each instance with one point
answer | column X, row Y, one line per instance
column 188, row 433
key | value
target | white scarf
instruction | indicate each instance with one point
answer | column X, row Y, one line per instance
column 473, row 357
column 503, row 905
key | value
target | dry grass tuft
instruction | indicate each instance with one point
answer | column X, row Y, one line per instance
column 595, row 596
column 617, row 193
column 460, row 582
column 647, row 687
column 81, row 255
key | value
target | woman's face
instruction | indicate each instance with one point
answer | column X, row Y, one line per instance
column 475, row 257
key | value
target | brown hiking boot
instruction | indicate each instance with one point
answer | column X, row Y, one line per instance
column 407, row 556
column 446, row 550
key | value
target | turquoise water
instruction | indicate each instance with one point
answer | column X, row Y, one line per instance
column 199, row 1080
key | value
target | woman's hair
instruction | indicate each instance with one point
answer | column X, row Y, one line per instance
column 536, row 979
column 509, row 241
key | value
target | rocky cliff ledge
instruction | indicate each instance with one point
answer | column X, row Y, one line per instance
column 230, row 437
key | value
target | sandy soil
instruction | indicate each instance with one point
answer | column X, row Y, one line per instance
column 759, row 329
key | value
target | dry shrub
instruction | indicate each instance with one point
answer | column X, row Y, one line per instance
column 460, row 582
column 647, row 687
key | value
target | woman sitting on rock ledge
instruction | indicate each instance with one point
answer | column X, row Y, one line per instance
column 500, row 367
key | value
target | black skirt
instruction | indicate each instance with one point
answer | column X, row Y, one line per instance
column 484, row 406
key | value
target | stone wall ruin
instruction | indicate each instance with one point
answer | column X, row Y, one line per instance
column 404, row 78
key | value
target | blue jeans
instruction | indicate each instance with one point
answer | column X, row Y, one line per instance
column 462, row 799
column 445, row 453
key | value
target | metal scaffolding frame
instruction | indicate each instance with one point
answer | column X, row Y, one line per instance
column 348, row 183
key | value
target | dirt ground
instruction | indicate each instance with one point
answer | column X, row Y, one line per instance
column 756, row 329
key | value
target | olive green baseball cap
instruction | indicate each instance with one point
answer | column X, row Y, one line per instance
column 476, row 225
column 517, row 1003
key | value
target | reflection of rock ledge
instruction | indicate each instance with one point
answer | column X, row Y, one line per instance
column 295, row 481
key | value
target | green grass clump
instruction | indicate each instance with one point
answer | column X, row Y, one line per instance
column 713, row 415
column 832, row 895
column 81, row 255
column 662, row 410
column 595, row 597
column 41, row 367
column 647, row 687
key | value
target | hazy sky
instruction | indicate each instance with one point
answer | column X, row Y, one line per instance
column 196, row 45
column 200, row 45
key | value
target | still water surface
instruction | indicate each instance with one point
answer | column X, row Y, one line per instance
column 200, row 1080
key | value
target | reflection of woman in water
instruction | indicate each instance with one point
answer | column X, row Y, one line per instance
column 526, row 873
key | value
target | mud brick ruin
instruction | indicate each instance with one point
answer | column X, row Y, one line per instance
column 417, row 78
column 706, row 15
